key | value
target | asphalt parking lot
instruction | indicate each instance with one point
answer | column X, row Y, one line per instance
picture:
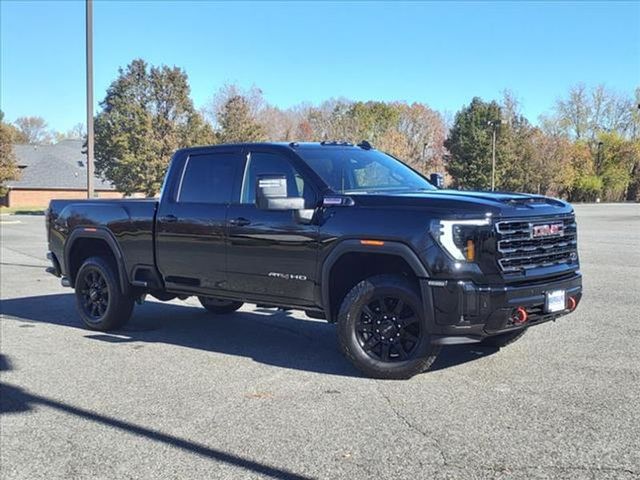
column 260, row 394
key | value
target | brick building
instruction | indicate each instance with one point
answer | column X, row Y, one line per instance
column 52, row 171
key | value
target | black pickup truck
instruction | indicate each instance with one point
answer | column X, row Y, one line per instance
column 341, row 231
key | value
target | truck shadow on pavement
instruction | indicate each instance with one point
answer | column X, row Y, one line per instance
column 267, row 336
column 14, row 399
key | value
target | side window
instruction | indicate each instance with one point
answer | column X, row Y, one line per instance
column 208, row 179
column 273, row 164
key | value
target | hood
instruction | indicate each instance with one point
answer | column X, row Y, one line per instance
column 467, row 203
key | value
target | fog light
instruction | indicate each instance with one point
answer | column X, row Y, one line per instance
column 572, row 303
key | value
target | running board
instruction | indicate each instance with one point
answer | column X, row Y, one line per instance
column 454, row 340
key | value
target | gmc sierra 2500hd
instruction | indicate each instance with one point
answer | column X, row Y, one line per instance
column 341, row 231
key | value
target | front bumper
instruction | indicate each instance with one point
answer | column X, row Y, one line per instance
column 464, row 312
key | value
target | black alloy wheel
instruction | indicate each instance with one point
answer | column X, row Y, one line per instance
column 384, row 330
column 388, row 329
column 94, row 293
column 101, row 303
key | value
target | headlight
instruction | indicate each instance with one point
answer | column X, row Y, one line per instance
column 458, row 237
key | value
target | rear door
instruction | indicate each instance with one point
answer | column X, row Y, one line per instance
column 191, row 221
column 270, row 253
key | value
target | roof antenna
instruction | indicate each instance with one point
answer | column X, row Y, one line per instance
column 365, row 145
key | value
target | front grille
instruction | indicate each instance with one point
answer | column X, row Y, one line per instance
column 519, row 250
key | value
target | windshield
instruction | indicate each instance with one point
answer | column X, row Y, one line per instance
column 354, row 170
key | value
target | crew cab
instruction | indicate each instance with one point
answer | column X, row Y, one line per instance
column 344, row 232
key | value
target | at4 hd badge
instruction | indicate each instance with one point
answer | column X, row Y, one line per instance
column 288, row 276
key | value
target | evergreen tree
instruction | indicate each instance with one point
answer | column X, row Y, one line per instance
column 146, row 115
column 237, row 124
column 470, row 145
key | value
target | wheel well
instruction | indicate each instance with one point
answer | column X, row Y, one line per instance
column 84, row 248
column 352, row 268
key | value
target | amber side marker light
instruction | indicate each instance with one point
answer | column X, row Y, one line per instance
column 372, row 243
column 471, row 251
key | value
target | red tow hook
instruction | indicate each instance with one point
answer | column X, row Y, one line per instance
column 572, row 303
column 520, row 316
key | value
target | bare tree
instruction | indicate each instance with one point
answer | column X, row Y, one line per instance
column 34, row 129
column 77, row 132
column 279, row 125
column 587, row 112
column 425, row 131
column 253, row 98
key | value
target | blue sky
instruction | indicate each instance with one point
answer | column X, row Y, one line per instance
column 441, row 53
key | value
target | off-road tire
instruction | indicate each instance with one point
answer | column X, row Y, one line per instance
column 504, row 339
column 423, row 354
column 219, row 306
column 109, row 309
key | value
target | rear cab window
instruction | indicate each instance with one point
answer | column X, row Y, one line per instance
column 208, row 179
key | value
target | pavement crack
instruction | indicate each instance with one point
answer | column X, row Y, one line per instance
column 8, row 264
column 432, row 438
column 14, row 250
column 583, row 468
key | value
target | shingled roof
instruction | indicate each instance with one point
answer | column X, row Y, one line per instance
column 60, row 166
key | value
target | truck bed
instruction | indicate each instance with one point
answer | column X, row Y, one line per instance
column 129, row 221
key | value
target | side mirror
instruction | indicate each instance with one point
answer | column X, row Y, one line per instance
column 271, row 194
column 437, row 180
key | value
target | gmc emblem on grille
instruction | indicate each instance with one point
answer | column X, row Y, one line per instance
column 547, row 230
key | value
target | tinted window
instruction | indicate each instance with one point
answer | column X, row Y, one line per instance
column 273, row 164
column 357, row 170
column 208, row 179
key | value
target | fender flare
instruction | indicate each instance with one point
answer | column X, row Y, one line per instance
column 101, row 234
column 397, row 249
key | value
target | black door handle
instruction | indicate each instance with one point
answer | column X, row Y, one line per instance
column 239, row 222
column 169, row 218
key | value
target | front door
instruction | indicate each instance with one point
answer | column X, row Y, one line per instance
column 270, row 253
column 191, row 225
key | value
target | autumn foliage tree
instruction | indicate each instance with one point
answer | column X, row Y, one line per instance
column 8, row 168
column 603, row 128
column 146, row 115
column 412, row 132
column 586, row 148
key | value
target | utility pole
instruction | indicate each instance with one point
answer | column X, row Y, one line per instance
column 425, row 146
column 89, row 48
column 599, row 154
column 494, row 124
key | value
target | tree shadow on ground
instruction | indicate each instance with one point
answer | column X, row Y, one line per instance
column 14, row 399
column 267, row 336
